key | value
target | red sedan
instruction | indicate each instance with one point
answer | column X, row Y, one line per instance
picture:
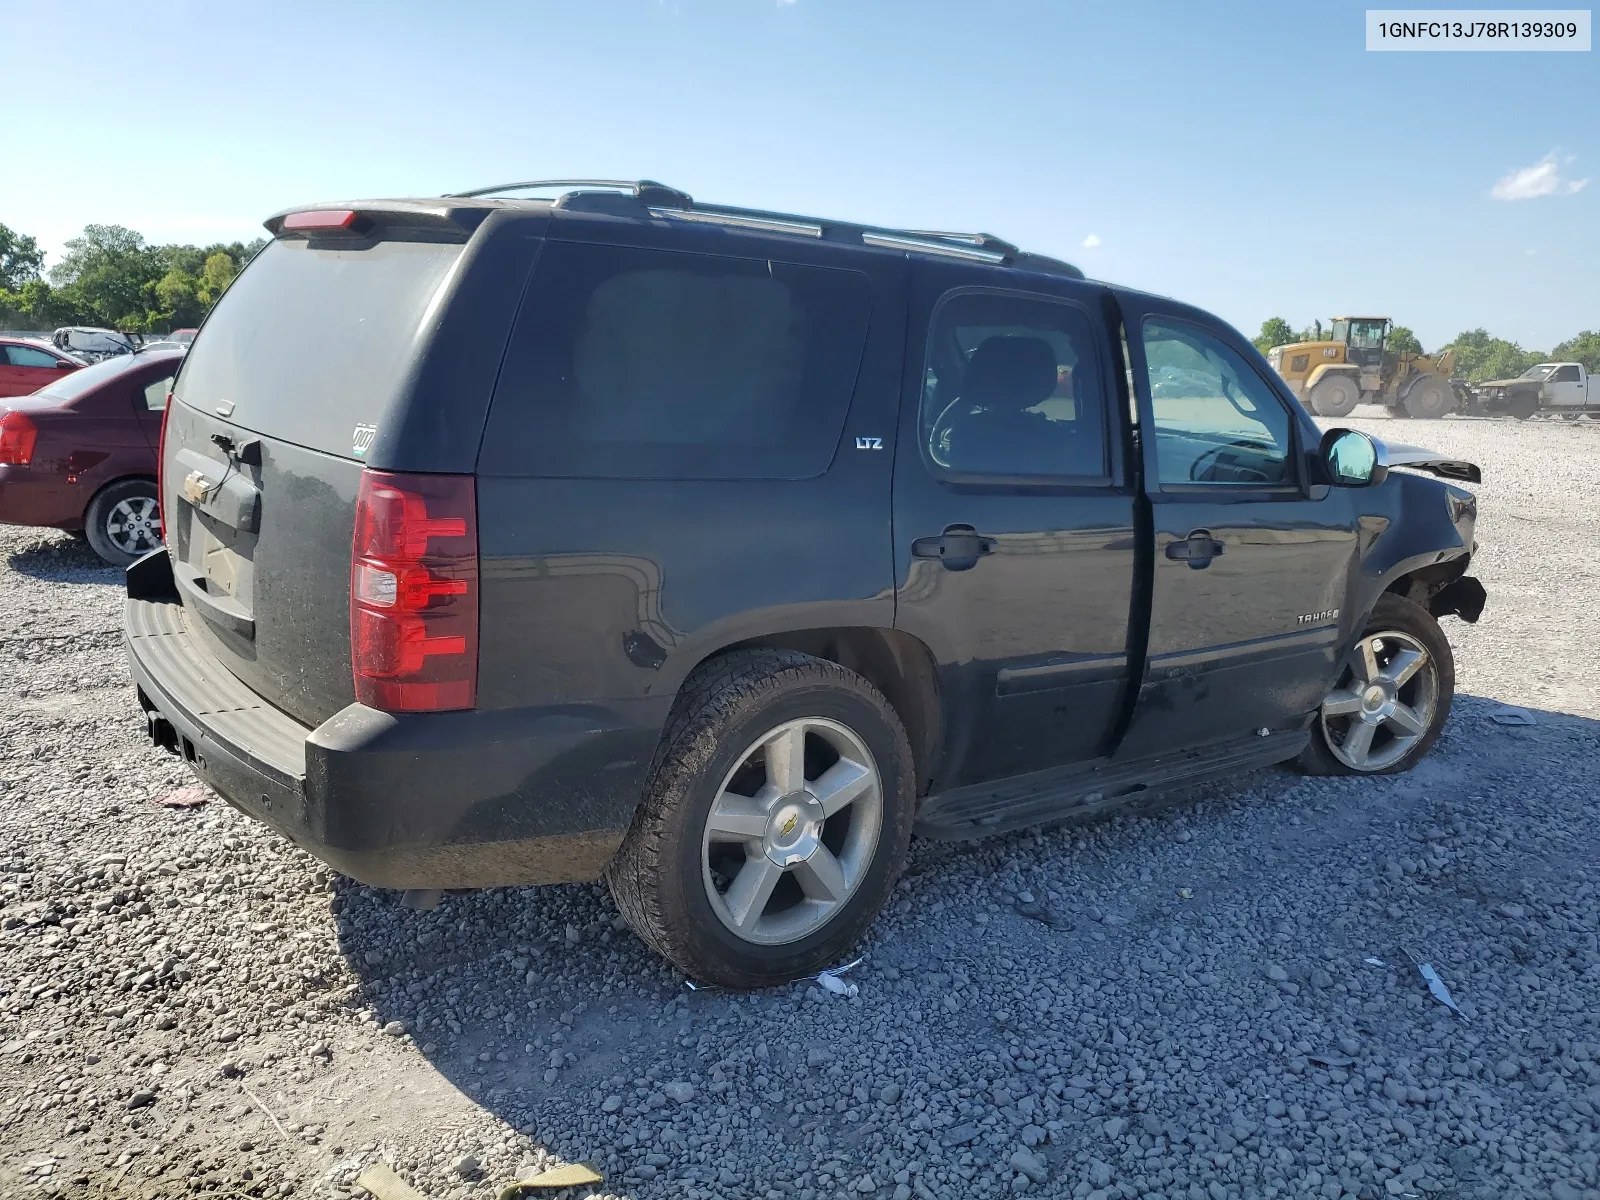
column 28, row 366
column 80, row 454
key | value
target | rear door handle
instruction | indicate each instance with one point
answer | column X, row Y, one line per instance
column 959, row 547
column 1198, row 549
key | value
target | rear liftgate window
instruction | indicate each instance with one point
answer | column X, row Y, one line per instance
column 309, row 342
column 648, row 364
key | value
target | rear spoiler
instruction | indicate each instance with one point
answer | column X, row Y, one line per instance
column 356, row 223
column 1433, row 463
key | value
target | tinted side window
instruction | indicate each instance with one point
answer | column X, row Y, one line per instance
column 1565, row 375
column 28, row 356
column 1217, row 421
column 1013, row 387
column 650, row 364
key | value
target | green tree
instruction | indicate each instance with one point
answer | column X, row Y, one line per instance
column 1402, row 341
column 43, row 307
column 110, row 273
column 20, row 259
column 1480, row 356
column 1275, row 331
column 178, row 306
column 215, row 277
column 1585, row 349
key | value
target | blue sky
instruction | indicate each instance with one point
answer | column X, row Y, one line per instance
column 1250, row 158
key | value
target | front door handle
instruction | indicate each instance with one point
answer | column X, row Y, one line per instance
column 1198, row 549
column 959, row 547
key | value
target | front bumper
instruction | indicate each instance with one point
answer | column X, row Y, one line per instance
column 409, row 800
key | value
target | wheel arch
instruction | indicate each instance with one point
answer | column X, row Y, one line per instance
column 1323, row 370
column 896, row 663
column 128, row 477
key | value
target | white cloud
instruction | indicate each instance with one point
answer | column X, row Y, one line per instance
column 1541, row 179
column 1090, row 242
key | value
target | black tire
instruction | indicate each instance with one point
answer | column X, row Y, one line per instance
column 659, row 878
column 121, row 522
column 1390, row 615
column 1522, row 405
column 1335, row 396
column 1429, row 399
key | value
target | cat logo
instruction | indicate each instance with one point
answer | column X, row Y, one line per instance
column 869, row 443
column 361, row 439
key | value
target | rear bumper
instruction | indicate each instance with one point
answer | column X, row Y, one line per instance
column 436, row 800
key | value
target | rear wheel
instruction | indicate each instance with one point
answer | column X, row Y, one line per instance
column 1335, row 396
column 1391, row 699
column 776, row 820
column 1430, row 398
column 122, row 522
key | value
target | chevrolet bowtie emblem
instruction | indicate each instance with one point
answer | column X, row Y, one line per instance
column 196, row 487
column 788, row 826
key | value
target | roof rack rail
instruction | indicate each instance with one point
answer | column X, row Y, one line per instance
column 647, row 190
column 984, row 241
column 668, row 202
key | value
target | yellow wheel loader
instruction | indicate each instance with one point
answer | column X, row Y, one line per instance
column 1354, row 366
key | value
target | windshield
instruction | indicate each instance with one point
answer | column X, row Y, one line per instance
column 1368, row 335
column 70, row 387
column 1539, row 372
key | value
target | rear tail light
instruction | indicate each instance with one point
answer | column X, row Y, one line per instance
column 18, row 434
column 414, row 592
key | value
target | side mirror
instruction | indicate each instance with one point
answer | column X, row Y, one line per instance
column 1352, row 459
column 63, row 365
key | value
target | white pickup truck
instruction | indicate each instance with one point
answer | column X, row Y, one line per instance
column 1548, row 387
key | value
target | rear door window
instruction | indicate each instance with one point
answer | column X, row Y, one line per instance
column 651, row 364
column 155, row 394
column 310, row 342
column 1013, row 389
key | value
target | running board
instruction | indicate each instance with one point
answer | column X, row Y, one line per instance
column 981, row 809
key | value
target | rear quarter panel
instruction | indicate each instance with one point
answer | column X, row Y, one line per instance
column 81, row 447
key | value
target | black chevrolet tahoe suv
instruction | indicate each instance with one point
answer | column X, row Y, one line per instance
column 715, row 552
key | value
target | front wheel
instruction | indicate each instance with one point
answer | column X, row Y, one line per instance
column 1335, row 396
column 123, row 522
column 1391, row 699
column 776, row 819
column 1523, row 405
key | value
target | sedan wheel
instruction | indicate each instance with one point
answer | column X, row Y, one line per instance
column 792, row 831
column 1384, row 703
column 133, row 525
column 123, row 521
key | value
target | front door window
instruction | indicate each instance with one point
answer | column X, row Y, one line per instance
column 1216, row 421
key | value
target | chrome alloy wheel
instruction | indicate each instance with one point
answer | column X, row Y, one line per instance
column 792, row 831
column 134, row 525
column 1383, row 703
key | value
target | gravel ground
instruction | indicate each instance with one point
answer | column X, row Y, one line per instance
column 1175, row 1002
